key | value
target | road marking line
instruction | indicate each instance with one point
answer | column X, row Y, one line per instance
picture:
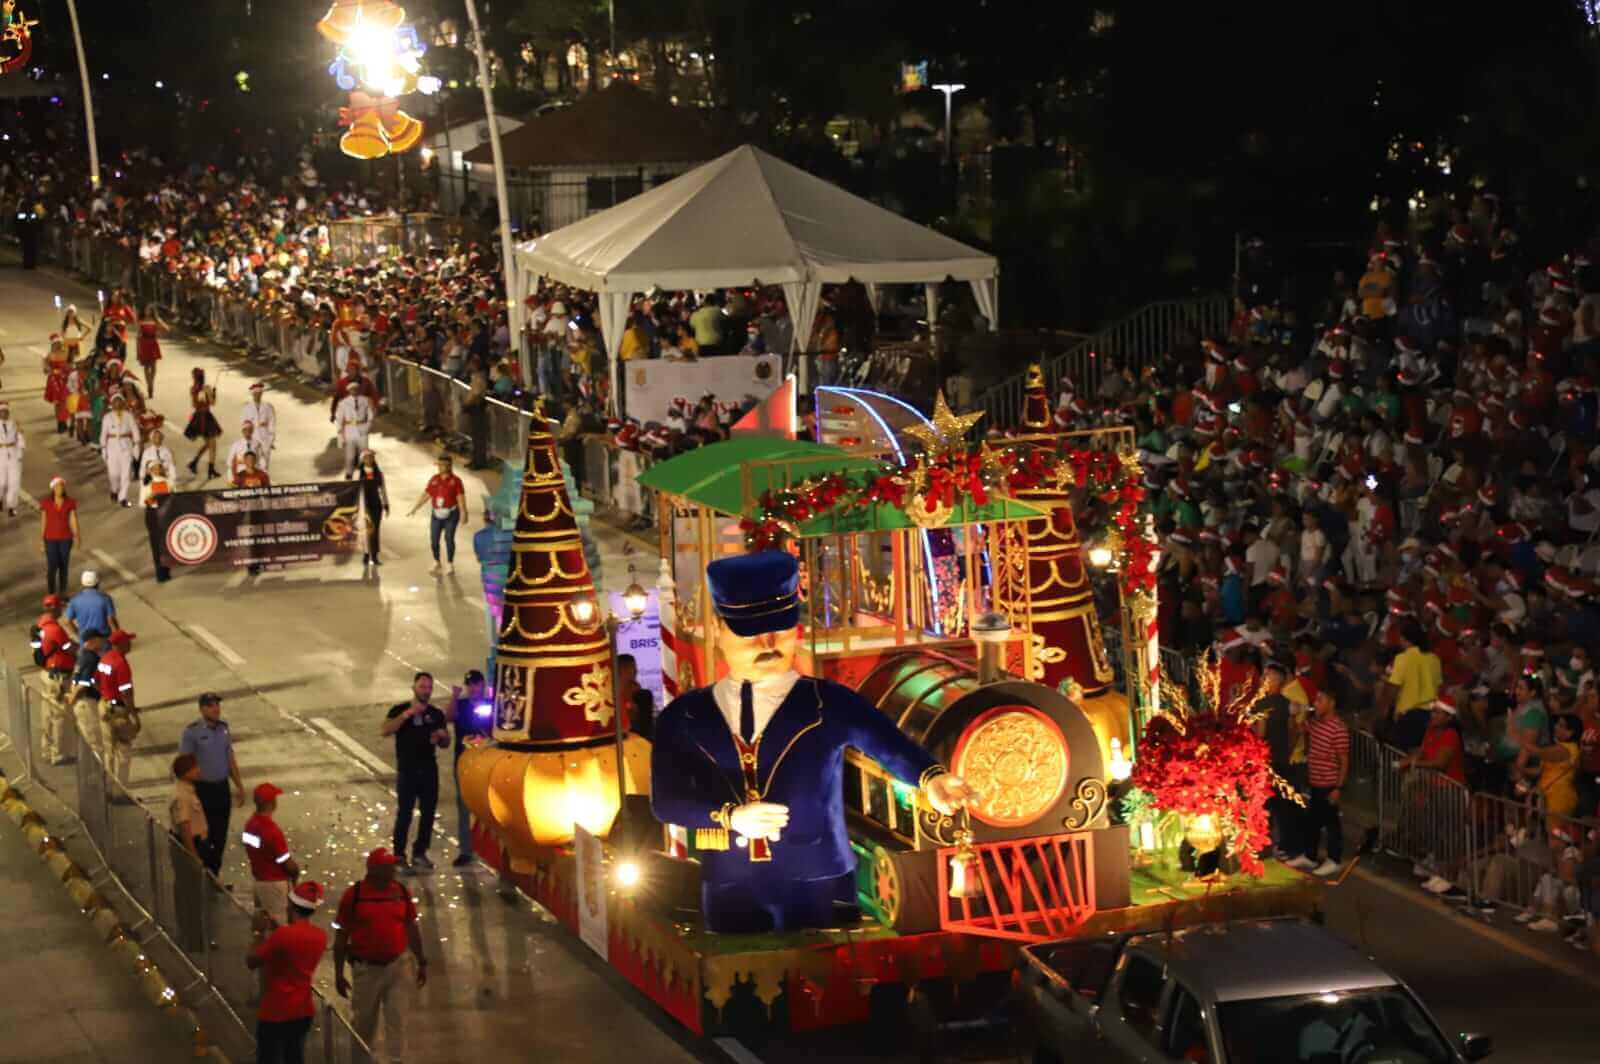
column 736, row 1050
column 111, row 563
column 223, row 650
column 1493, row 934
column 352, row 747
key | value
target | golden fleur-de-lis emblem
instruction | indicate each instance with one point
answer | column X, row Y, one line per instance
column 948, row 431
column 593, row 694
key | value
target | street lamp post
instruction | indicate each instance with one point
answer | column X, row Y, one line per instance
column 635, row 600
column 508, row 264
column 949, row 88
column 88, row 101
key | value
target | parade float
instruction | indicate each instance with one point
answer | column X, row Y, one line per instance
column 947, row 584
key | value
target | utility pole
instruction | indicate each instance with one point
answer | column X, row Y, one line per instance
column 508, row 264
column 88, row 101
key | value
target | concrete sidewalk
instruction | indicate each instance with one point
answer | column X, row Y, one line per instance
column 308, row 661
column 68, row 999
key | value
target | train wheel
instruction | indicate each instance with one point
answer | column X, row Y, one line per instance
column 886, row 886
column 905, row 888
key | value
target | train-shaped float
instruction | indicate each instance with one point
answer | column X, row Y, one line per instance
column 973, row 619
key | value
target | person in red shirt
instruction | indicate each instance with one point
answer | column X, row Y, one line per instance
column 119, row 714
column 272, row 866
column 60, row 657
column 444, row 493
column 59, row 531
column 376, row 925
column 287, row 957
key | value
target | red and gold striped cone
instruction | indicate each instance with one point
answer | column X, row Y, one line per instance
column 1066, row 629
column 553, row 672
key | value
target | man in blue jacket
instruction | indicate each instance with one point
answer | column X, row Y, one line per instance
column 753, row 764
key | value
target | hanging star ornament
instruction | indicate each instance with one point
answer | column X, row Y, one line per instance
column 948, row 432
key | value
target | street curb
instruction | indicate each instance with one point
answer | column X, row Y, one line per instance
column 104, row 919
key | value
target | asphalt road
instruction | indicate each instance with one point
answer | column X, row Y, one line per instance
column 309, row 659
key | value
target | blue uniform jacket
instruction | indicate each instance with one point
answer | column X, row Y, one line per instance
column 694, row 771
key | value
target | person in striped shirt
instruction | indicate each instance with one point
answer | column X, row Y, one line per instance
column 1328, row 754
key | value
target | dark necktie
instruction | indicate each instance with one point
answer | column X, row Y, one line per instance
column 747, row 712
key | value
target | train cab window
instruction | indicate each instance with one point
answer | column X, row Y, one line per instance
column 1185, row 1037
column 1140, row 994
column 852, row 787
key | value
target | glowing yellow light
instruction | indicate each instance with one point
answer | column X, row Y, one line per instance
column 627, row 874
column 636, row 600
column 1118, row 764
column 1099, row 557
column 583, row 610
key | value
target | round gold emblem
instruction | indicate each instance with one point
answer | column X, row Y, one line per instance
column 1016, row 758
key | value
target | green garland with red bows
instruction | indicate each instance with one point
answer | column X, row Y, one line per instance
column 1111, row 483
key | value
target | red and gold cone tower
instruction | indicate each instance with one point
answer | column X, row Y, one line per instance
column 1065, row 629
column 554, row 761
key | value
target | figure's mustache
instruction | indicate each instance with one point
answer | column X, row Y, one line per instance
column 768, row 655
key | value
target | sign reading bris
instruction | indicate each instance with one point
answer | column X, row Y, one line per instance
column 278, row 525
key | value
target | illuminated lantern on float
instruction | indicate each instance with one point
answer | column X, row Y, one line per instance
column 553, row 764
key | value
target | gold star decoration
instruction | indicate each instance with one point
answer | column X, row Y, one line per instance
column 1062, row 475
column 947, row 433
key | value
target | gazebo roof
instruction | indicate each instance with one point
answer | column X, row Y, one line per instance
column 620, row 125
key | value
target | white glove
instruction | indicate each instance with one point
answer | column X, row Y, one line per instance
column 949, row 792
column 759, row 820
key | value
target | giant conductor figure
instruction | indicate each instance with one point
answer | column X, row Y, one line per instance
column 754, row 763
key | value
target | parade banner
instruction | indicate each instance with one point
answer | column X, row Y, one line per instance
column 278, row 525
column 652, row 384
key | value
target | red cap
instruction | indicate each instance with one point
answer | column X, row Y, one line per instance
column 381, row 856
column 308, row 895
column 52, row 601
column 119, row 636
column 266, row 792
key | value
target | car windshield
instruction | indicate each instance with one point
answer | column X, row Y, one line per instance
column 1384, row 1025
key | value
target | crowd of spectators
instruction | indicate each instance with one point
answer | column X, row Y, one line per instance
column 1396, row 498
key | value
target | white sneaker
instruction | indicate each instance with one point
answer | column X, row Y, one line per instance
column 1523, row 918
column 449, row 567
column 1305, row 864
column 1437, row 885
column 1544, row 923
column 433, row 568
column 1327, row 868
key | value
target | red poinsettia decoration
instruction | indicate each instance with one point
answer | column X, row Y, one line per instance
column 1211, row 764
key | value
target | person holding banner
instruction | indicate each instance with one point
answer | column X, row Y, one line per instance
column 374, row 503
column 247, row 445
column 155, row 453
column 353, row 422
column 156, row 488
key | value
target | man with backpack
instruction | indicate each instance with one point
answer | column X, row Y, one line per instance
column 55, row 652
column 377, row 924
column 119, row 715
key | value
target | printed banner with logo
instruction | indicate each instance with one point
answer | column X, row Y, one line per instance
column 652, row 384
column 278, row 525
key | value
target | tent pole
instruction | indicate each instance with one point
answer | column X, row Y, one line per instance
column 507, row 262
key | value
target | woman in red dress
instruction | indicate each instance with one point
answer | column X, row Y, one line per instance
column 56, row 368
column 203, row 424
column 150, row 329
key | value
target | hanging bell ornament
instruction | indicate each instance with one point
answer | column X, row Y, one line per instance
column 964, row 879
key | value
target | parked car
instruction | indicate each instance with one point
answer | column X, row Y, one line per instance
column 1254, row 992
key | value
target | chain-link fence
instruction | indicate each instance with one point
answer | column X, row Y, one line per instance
column 183, row 916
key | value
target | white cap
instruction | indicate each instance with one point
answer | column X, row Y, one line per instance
column 90, row 578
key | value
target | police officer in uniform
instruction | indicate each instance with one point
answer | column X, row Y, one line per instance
column 210, row 741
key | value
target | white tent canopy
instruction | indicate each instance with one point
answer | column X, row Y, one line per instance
column 748, row 218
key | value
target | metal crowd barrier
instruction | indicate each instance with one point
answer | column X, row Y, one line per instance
column 185, row 918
